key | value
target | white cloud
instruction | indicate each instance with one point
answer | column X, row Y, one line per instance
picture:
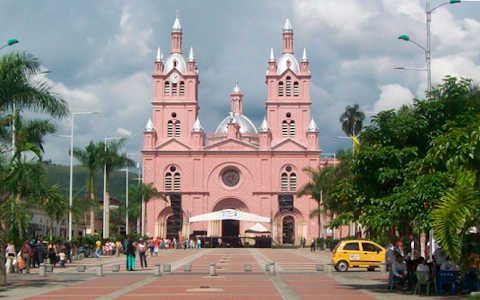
column 124, row 132
column 393, row 96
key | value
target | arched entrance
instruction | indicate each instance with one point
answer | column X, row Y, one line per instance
column 288, row 225
column 230, row 230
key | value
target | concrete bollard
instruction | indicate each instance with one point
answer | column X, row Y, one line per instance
column 48, row 268
column 383, row 268
column 156, row 270
column 42, row 271
column 167, row 268
column 248, row 268
column 187, row 268
column 99, row 270
column 115, row 268
column 272, row 268
column 81, row 268
column 320, row 267
column 267, row 267
column 329, row 269
column 213, row 269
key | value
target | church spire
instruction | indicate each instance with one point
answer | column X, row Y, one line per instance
column 177, row 37
column 159, row 55
column 272, row 56
column 236, row 99
column 191, row 56
column 304, row 56
column 287, row 37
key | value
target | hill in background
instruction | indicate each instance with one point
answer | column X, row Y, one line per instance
column 58, row 174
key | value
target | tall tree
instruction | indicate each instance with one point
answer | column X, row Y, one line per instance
column 352, row 120
column 90, row 157
column 22, row 179
column 139, row 194
column 112, row 160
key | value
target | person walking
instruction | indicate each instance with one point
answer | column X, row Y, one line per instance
column 26, row 252
column 118, row 245
column 10, row 256
column 98, row 249
column 312, row 245
column 130, row 251
column 68, row 250
column 142, row 248
column 157, row 246
column 40, row 247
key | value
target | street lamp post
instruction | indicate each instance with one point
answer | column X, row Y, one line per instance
column 70, row 192
column 428, row 49
column 10, row 43
column 106, row 223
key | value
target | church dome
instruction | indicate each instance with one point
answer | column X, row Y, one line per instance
column 181, row 64
column 283, row 62
column 245, row 124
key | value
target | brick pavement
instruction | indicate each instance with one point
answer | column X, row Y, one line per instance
column 296, row 278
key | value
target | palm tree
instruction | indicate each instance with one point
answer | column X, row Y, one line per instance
column 112, row 161
column 20, row 178
column 90, row 157
column 352, row 120
column 318, row 188
column 139, row 194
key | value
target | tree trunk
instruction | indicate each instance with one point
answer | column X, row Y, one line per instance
column 51, row 230
column 18, row 199
column 3, row 245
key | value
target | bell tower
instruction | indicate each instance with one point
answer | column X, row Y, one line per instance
column 288, row 93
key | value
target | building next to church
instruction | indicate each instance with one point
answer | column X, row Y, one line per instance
column 243, row 167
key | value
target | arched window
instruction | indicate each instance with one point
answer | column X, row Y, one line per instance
column 176, row 181
column 174, row 89
column 295, row 89
column 288, row 87
column 292, row 128
column 167, row 88
column 284, row 128
column 284, row 182
column 177, row 128
column 170, row 128
column 280, row 89
column 293, row 182
column 175, row 63
column 182, row 88
column 168, row 181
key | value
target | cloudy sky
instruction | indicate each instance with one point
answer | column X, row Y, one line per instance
column 101, row 56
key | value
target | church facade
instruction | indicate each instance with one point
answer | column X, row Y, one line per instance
column 251, row 169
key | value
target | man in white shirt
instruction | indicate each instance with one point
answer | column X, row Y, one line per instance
column 422, row 267
column 399, row 270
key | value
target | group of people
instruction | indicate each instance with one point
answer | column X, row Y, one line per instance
column 404, row 270
column 32, row 253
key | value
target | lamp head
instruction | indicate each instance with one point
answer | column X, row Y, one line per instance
column 12, row 42
column 454, row 1
column 404, row 37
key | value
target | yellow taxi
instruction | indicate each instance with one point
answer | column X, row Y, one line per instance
column 357, row 254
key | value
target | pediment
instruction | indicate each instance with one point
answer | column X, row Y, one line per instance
column 231, row 145
column 173, row 145
column 289, row 145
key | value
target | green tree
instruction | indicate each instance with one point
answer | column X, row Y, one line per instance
column 22, row 179
column 352, row 120
column 112, row 160
column 137, row 195
column 91, row 158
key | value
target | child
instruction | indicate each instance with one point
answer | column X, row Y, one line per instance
column 63, row 257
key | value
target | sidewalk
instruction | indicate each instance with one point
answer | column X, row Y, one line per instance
column 296, row 278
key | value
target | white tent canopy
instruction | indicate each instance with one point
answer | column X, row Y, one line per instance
column 257, row 228
column 229, row 214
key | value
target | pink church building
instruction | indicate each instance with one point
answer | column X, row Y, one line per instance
column 243, row 167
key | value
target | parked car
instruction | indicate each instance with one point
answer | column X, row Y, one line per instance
column 357, row 254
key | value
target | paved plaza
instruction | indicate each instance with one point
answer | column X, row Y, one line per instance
column 296, row 278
